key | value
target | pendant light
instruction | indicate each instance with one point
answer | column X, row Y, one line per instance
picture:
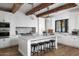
column 33, row 17
column 49, row 17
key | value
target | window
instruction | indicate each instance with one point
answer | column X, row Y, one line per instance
column 61, row 25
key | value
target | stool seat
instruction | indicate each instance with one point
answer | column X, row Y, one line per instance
column 46, row 42
column 41, row 43
column 52, row 40
column 34, row 44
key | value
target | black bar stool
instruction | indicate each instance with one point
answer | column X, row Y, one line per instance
column 47, row 46
column 41, row 47
column 34, row 48
column 52, row 43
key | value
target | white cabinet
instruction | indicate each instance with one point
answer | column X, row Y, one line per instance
column 13, row 41
column 22, row 46
column 70, row 40
column 75, row 41
column 7, row 42
column 1, row 43
column 59, row 39
column 4, row 43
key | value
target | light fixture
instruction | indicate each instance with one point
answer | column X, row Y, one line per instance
column 49, row 17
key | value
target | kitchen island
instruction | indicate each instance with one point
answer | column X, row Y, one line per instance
column 26, row 41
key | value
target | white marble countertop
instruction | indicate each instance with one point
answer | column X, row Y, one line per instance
column 36, row 37
column 26, row 41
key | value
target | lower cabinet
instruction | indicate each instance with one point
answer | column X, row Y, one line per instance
column 75, row 41
column 4, row 43
column 13, row 41
column 69, row 40
column 7, row 42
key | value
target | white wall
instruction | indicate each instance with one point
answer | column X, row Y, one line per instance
column 65, row 15
column 41, row 25
column 48, row 23
column 23, row 20
column 8, row 17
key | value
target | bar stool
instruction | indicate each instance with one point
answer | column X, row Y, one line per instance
column 41, row 47
column 47, row 46
column 34, row 48
column 52, row 43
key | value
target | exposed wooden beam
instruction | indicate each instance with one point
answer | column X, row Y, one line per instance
column 39, row 7
column 15, row 7
column 3, row 9
column 63, row 7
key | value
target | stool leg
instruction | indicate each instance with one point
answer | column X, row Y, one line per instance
column 44, row 46
column 47, row 47
column 41, row 49
column 37, row 50
column 34, row 50
column 31, row 50
column 44, row 49
column 53, row 43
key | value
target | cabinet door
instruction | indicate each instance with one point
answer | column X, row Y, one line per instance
column 6, row 42
column 60, row 39
column 67, row 40
column 75, row 41
column 13, row 41
column 1, row 43
column 64, row 39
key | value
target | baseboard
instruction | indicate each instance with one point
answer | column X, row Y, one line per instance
column 10, row 46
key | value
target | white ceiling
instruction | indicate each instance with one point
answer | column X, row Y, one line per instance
column 26, row 7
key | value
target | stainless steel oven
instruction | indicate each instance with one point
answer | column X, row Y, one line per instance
column 4, row 29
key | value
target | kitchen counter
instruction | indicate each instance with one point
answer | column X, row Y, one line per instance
column 36, row 37
column 26, row 41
